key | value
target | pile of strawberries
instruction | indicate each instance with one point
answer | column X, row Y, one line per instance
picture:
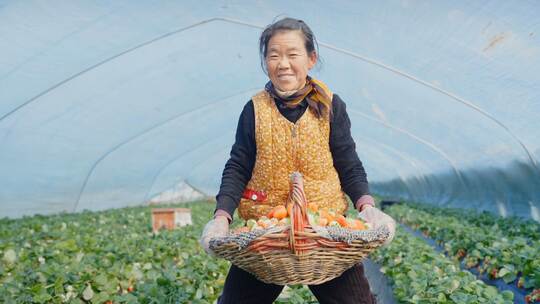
column 280, row 216
column 533, row 297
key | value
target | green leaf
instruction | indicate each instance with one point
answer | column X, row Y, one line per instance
column 101, row 298
column 42, row 297
column 528, row 283
column 199, row 293
column 454, row 284
column 441, row 297
column 101, row 280
column 459, row 297
column 508, row 295
column 503, row 272
column 491, row 292
column 509, row 277
column 58, row 286
column 163, row 281
column 416, row 298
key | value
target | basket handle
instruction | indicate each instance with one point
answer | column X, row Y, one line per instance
column 297, row 198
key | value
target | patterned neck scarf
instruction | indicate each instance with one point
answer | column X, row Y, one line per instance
column 317, row 94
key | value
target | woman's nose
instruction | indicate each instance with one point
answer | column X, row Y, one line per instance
column 284, row 63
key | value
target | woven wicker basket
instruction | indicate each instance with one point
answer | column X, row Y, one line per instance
column 299, row 254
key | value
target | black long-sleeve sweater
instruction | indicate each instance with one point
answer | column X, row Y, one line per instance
column 239, row 167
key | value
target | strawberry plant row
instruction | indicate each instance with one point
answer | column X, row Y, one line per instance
column 419, row 274
column 488, row 252
column 510, row 226
column 97, row 257
column 519, row 294
column 112, row 257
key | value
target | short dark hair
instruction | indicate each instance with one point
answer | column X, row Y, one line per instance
column 286, row 24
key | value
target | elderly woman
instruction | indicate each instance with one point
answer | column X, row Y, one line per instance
column 295, row 124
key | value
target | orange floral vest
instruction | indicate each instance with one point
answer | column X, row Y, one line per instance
column 284, row 147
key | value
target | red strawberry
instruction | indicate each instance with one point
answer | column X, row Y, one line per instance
column 493, row 273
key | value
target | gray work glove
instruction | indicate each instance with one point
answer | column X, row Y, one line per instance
column 377, row 218
column 217, row 227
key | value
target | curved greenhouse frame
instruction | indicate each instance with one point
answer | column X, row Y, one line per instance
column 106, row 105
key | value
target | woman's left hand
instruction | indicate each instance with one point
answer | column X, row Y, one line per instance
column 377, row 218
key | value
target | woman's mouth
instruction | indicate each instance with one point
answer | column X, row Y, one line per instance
column 285, row 76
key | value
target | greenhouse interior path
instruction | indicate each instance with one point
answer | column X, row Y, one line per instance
column 378, row 282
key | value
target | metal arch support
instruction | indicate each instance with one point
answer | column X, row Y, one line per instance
column 327, row 45
column 200, row 162
column 176, row 158
column 217, row 153
column 391, row 149
column 418, row 139
column 111, row 58
column 444, row 92
column 401, row 177
column 402, row 155
column 212, row 140
column 397, row 152
column 130, row 139
column 197, row 164
column 72, row 33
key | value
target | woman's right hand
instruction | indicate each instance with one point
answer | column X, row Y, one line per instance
column 217, row 227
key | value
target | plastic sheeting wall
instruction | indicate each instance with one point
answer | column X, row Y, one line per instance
column 106, row 104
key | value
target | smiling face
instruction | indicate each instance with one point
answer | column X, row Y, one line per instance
column 287, row 60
